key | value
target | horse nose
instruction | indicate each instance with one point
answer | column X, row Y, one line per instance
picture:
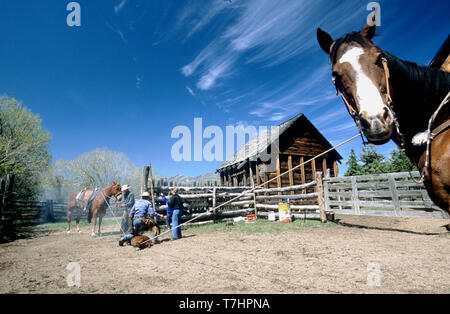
column 376, row 121
column 366, row 121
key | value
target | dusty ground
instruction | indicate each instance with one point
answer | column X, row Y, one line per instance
column 413, row 256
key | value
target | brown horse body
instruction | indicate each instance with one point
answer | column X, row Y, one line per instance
column 98, row 207
column 390, row 98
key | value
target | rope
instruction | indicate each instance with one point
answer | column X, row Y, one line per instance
column 103, row 194
column 259, row 186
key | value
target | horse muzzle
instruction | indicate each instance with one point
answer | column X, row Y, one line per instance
column 379, row 128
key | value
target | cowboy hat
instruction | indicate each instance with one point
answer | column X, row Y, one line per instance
column 145, row 194
column 125, row 187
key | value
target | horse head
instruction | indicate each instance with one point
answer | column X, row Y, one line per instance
column 360, row 73
column 116, row 190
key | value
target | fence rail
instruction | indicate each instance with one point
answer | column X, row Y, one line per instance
column 392, row 194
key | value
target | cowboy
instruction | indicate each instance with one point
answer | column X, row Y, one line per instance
column 138, row 212
column 127, row 204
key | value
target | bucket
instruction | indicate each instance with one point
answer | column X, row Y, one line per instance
column 284, row 211
column 250, row 218
column 271, row 216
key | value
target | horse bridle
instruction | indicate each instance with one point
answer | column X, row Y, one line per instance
column 401, row 137
column 355, row 114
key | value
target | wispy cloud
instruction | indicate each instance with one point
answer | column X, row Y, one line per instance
column 118, row 7
column 139, row 79
column 117, row 31
column 261, row 31
column 190, row 90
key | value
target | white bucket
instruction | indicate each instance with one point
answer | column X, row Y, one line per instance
column 271, row 216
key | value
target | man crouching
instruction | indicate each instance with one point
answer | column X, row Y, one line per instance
column 138, row 214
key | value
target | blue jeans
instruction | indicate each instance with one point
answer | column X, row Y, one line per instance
column 176, row 219
column 137, row 223
column 169, row 219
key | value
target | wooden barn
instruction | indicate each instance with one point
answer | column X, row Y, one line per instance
column 259, row 160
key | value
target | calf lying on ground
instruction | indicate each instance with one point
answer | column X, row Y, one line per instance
column 138, row 241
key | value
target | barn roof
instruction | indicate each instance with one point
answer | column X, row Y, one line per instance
column 258, row 145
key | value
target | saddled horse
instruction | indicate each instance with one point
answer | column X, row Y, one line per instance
column 390, row 98
column 97, row 209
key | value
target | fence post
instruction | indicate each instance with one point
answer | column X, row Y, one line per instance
column 394, row 193
column 214, row 202
column 252, row 182
column 150, row 182
column 320, row 198
column 50, row 214
column 356, row 206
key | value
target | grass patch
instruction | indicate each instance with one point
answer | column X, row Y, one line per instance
column 260, row 226
column 61, row 226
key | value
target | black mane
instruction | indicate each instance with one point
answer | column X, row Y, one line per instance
column 417, row 91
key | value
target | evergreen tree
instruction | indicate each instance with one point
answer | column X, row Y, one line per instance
column 354, row 168
column 399, row 162
column 373, row 162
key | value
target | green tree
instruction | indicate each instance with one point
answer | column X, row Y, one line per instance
column 23, row 147
column 100, row 167
column 398, row 162
column 372, row 162
column 354, row 168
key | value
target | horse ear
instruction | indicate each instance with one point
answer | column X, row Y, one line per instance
column 325, row 40
column 368, row 30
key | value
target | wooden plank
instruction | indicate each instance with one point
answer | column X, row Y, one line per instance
column 395, row 198
column 289, row 197
column 302, row 172
column 324, row 166
column 320, row 199
column 326, row 195
column 335, row 168
column 313, row 166
column 288, row 188
column 294, row 207
column 253, row 186
column 355, row 196
column 258, row 178
column 278, row 172
column 151, row 185
column 291, row 173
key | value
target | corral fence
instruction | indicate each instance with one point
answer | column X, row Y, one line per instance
column 304, row 201
column 391, row 194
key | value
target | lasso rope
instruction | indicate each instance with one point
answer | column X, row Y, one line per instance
column 112, row 212
column 257, row 187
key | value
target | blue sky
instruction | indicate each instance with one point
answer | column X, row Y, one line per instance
column 136, row 69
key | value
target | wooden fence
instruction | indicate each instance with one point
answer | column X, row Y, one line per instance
column 392, row 194
column 305, row 201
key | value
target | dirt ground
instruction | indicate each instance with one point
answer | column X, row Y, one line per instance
column 358, row 255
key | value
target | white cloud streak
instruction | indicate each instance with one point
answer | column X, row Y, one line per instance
column 119, row 7
column 266, row 32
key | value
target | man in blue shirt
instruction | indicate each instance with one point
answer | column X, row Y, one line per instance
column 127, row 204
column 140, row 210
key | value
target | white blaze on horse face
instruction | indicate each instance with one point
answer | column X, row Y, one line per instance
column 368, row 96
